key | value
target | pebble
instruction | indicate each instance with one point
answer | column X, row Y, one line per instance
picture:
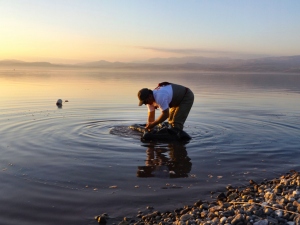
column 186, row 217
column 102, row 219
column 272, row 202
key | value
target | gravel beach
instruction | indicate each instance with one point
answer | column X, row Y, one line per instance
column 270, row 202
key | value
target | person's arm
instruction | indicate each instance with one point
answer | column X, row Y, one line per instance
column 151, row 116
column 163, row 116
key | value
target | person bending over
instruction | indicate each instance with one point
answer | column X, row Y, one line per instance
column 175, row 102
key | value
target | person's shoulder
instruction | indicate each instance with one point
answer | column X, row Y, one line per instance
column 164, row 88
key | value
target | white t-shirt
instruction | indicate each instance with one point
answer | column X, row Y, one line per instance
column 163, row 96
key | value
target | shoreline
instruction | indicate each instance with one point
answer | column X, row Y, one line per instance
column 275, row 201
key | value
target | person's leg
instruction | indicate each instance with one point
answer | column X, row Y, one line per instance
column 171, row 115
column 182, row 111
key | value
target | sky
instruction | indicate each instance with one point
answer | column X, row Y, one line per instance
column 72, row 31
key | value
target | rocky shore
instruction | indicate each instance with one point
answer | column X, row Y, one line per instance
column 271, row 202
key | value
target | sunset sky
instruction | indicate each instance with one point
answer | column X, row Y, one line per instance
column 70, row 31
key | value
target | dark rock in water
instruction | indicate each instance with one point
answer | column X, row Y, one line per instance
column 162, row 132
column 59, row 102
column 221, row 197
column 102, row 220
column 198, row 203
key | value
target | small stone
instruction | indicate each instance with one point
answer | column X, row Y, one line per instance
column 268, row 211
column 102, row 220
column 223, row 219
column 232, row 196
column 204, row 206
column 295, row 203
column 238, row 218
column 279, row 212
column 203, row 214
column 105, row 215
column 252, row 182
column 123, row 223
column 272, row 220
column 216, row 220
column 277, row 190
column 186, row 217
column 221, row 197
column 291, row 223
column 296, row 193
column 261, row 222
column 214, row 208
column 198, row 203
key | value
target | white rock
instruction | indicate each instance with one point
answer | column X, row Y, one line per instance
column 279, row 212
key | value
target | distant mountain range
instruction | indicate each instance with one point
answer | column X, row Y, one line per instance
column 267, row 64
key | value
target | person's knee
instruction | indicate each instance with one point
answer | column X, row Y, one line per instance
column 177, row 125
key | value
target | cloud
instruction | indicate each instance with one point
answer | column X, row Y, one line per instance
column 185, row 51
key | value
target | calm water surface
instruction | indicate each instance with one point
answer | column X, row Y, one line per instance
column 66, row 165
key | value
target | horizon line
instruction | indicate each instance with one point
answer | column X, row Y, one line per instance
column 140, row 61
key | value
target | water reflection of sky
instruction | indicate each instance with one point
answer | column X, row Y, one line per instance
column 86, row 86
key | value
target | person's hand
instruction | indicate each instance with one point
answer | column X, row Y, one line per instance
column 149, row 126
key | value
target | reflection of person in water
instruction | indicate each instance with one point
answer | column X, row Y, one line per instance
column 159, row 165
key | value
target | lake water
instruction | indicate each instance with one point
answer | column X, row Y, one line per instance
column 66, row 165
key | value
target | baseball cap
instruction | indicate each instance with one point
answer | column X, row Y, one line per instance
column 143, row 94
